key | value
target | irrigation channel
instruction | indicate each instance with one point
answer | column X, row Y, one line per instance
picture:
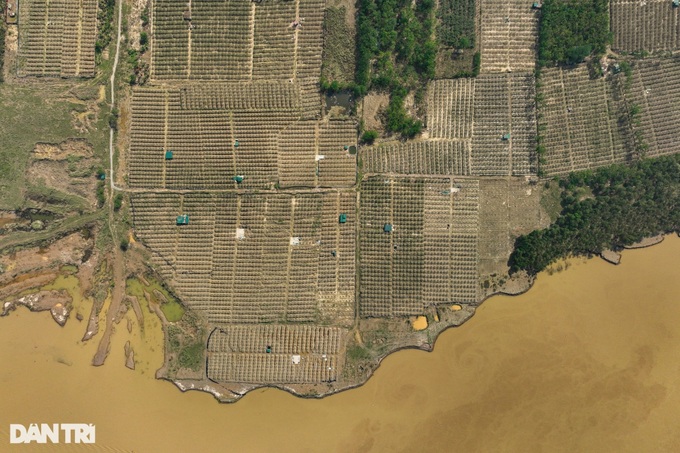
column 587, row 360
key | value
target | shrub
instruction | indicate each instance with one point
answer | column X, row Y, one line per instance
column 369, row 137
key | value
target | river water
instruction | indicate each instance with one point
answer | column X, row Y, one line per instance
column 587, row 360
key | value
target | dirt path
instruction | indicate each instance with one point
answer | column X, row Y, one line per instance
column 118, row 292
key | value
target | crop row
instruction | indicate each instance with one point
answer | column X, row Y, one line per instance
column 649, row 25
column 583, row 121
column 508, row 36
column 252, row 258
column 57, row 38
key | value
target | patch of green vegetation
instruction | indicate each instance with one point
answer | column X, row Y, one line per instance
column 191, row 356
column 338, row 50
column 173, row 310
column 571, row 30
column 358, row 352
column 369, row 137
column 104, row 24
column 551, row 200
column 606, row 209
column 457, row 23
column 396, row 51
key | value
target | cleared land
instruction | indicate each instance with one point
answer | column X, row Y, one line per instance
column 656, row 92
column 508, row 34
column 585, row 120
column 429, row 256
column 57, row 38
column 650, row 25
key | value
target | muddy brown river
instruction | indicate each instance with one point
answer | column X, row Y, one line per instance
column 587, row 360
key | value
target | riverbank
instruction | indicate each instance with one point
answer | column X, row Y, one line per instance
column 585, row 361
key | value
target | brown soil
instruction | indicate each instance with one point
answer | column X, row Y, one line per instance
column 373, row 105
column 61, row 151
column 611, row 256
column 647, row 242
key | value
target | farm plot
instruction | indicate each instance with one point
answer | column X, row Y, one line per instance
column 582, row 121
column 255, row 258
column 57, row 38
column 277, row 354
column 316, row 154
column 650, row 25
column 449, row 108
column 418, row 242
column 237, row 40
column 656, row 92
column 509, row 33
column 504, row 132
column 424, row 157
column 508, row 207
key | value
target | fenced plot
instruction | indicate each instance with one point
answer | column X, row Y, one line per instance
column 277, row 354
column 650, row 25
column 236, row 40
column 509, row 34
column 504, row 133
column 57, row 38
column 656, row 93
column 585, row 121
column 255, row 258
column 418, row 242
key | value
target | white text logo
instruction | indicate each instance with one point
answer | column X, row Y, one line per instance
column 67, row 433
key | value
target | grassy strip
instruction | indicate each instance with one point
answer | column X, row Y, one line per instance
column 3, row 30
column 569, row 31
column 606, row 209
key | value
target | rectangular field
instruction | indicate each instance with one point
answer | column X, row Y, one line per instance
column 276, row 354
column 57, row 38
column 220, row 130
column 656, row 91
column 504, row 104
column 650, row 25
column 255, row 258
column 509, row 35
column 429, row 256
column 582, row 120
column 236, row 40
column 425, row 157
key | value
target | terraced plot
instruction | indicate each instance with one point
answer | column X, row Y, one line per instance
column 650, row 25
column 418, row 242
column 255, row 258
column 655, row 90
column 425, row 157
column 509, row 34
column 275, row 354
column 584, row 121
column 57, row 38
